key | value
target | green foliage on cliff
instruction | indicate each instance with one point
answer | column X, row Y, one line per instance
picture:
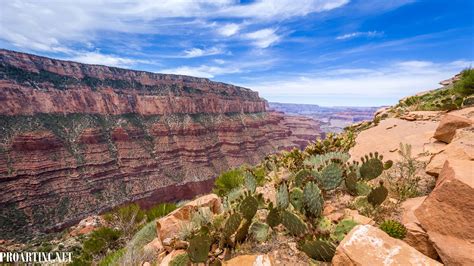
column 160, row 210
column 465, row 86
column 448, row 98
column 228, row 181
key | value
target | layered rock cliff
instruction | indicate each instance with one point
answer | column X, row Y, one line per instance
column 78, row 139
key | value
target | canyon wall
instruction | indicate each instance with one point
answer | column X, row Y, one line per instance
column 79, row 139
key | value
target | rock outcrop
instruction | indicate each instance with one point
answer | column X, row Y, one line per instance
column 416, row 236
column 79, row 139
column 170, row 225
column 449, row 124
column 446, row 214
column 368, row 245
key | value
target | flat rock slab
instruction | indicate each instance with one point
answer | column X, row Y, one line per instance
column 368, row 245
column 386, row 137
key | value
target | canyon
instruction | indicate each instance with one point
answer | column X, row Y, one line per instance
column 330, row 119
column 79, row 139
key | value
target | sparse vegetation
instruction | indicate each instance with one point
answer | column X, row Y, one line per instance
column 403, row 179
column 449, row 98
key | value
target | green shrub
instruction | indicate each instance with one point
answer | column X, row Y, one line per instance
column 100, row 240
column 128, row 218
column 112, row 258
column 133, row 252
column 394, row 229
column 465, row 86
column 227, row 181
column 159, row 210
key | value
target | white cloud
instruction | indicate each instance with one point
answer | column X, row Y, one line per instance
column 197, row 52
column 377, row 86
column 50, row 26
column 263, row 38
column 229, row 29
column 103, row 59
column 351, row 35
column 203, row 71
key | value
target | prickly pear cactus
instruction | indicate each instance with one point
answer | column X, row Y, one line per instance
column 301, row 177
column 293, row 223
column 242, row 231
column 372, row 166
column 250, row 182
column 232, row 224
column 282, row 198
column 199, row 247
column 273, row 217
column 387, row 165
column 260, row 231
column 331, row 176
column 320, row 250
column 377, row 195
column 351, row 182
column 317, row 161
column 296, row 199
column 248, row 207
column 342, row 228
column 313, row 200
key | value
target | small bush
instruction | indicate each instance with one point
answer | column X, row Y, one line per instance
column 112, row 258
column 159, row 210
column 227, row 181
column 394, row 229
column 403, row 179
column 134, row 253
column 465, row 86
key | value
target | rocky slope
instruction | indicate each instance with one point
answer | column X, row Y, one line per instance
column 78, row 139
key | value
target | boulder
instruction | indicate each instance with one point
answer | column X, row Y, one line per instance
column 448, row 125
column 368, row 245
column 416, row 236
column 360, row 219
column 447, row 213
column 250, row 260
column 154, row 247
column 170, row 225
column 87, row 225
column 460, row 148
column 166, row 260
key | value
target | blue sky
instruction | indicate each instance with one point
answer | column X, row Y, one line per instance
column 327, row 52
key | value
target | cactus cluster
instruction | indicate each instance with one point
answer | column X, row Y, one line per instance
column 298, row 202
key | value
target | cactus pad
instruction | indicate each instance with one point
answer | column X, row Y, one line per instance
column 372, row 166
column 260, row 231
column 377, row 195
column 199, row 247
column 273, row 217
column 321, row 250
column 331, row 176
column 248, row 207
column 242, row 231
column 250, row 182
column 232, row 224
column 313, row 199
column 282, row 198
column 301, row 177
column 296, row 198
column 293, row 223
